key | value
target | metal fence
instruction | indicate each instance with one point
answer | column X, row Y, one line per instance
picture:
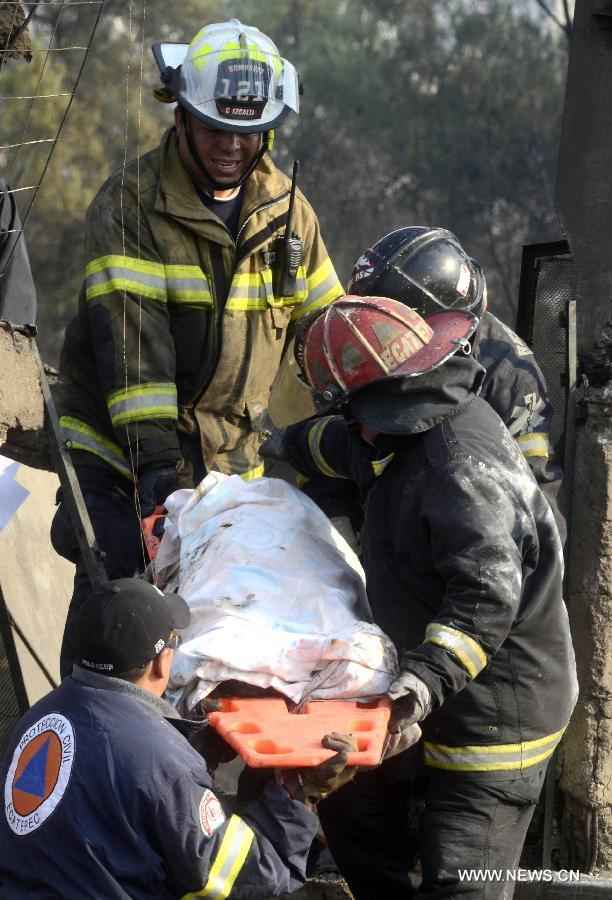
column 544, row 321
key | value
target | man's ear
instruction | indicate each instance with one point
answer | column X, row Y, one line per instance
column 163, row 663
column 159, row 665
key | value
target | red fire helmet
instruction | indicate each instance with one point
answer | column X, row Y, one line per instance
column 361, row 340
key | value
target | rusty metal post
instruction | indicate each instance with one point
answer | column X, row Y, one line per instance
column 584, row 203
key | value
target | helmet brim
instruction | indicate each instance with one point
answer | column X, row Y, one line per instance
column 238, row 90
column 452, row 329
column 169, row 54
column 208, row 114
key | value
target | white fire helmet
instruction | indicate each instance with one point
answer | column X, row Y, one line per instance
column 230, row 76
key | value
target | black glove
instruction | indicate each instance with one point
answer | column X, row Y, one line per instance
column 274, row 446
column 207, row 741
column 314, row 783
column 155, row 483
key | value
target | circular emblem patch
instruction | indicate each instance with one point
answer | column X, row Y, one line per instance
column 39, row 773
column 211, row 813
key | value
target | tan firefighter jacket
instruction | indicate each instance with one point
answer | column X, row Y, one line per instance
column 179, row 333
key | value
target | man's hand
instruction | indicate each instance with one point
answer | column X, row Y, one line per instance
column 155, row 483
column 400, row 740
column 412, row 701
column 274, row 446
column 208, row 742
column 313, row 784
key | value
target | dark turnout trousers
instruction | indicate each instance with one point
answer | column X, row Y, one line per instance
column 467, row 834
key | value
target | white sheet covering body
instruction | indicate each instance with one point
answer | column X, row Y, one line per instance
column 277, row 596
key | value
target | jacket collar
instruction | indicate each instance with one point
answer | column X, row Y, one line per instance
column 118, row 686
column 412, row 405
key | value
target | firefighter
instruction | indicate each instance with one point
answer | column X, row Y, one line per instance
column 428, row 270
column 105, row 798
column 464, row 572
column 18, row 303
column 167, row 366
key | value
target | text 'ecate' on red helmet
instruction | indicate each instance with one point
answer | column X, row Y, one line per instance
column 360, row 340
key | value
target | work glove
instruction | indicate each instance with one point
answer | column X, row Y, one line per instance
column 274, row 447
column 155, row 483
column 412, row 702
column 207, row 740
column 309, row 785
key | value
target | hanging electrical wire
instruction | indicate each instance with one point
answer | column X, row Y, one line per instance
column 133, row 455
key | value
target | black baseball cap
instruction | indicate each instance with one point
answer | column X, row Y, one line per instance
column 126, row 624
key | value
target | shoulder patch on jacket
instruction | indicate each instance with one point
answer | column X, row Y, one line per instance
column 39, row 773
column 211, row 813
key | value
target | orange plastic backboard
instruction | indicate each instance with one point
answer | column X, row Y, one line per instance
column 266, row 734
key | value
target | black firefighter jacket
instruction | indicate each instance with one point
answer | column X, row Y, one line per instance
column 179, row 332
column 464, row 572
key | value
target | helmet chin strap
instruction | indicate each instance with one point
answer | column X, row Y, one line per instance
column 210, row 181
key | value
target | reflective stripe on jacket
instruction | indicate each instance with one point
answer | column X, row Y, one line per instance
column 179, row 333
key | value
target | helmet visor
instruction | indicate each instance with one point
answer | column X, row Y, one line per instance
column 239, row 89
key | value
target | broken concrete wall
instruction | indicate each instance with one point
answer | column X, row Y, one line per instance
column 587, row 747
column 584, row 202
column 588, row 763
column 22, row 435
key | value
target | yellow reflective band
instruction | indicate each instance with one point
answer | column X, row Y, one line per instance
column 315, row 435
column 247, row 279
column 128, row 262
column 154, row 400
column 125, row 273
column 252, row 474
column 492, row 757
column 319, row 275
column 187, row 284
column 247, row 291
column 253, row 291
column 467, row 650
column 535, row 443
column 175, row 283
column 300, row 290
column 80, row 436
column 323, row 287
column 230, row 859
column 379, row 465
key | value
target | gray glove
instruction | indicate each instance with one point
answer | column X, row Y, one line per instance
column 274, row 446
column 412, row 702
column 312, row 784
column 398, row 741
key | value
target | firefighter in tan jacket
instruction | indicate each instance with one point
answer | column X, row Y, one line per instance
column 184, row 315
